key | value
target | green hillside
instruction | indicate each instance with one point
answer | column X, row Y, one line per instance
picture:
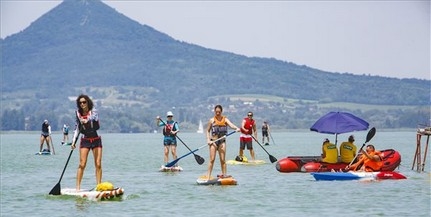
column 135, row 72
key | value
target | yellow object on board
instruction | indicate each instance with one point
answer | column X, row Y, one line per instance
column 104, row 186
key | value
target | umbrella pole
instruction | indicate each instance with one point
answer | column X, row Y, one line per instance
column 336, row 139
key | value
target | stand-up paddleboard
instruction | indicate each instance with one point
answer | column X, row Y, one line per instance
column 357, row 175
column 44, row 152
column 66, row 143
column 114, row 194
column 203, row 180
column 250, row 162
column 163, row 168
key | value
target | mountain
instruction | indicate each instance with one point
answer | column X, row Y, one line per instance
column 87, row 46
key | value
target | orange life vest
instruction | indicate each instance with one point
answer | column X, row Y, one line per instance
column 372, row 165
column 219, row 127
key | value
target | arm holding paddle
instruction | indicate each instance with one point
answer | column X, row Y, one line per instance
column 170, row 164
column 200, row 160
column 170, row 129
column 75, row 137
column 353, row 166
column 173, row 131
column 370, row 160
column 209, row 136
column 370, row 135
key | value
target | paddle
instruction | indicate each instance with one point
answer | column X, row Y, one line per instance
column 370, row 135
column 200, row 160
column 52, row 144
column 56, row 190
column 271, row 158
column 272, row 138
column 170, row 164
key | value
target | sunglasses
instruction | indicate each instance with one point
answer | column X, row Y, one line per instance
column 82, row 102
column 169, row 116
column 250, row 115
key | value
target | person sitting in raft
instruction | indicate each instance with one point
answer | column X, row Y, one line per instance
column 329, row 152
column 370, row 160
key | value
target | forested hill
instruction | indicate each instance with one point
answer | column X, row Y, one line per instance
column 86, row 44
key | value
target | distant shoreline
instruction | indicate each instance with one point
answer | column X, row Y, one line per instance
column 193, row 131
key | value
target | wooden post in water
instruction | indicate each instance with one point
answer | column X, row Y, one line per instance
column 420, row 164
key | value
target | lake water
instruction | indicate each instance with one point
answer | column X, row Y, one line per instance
column 132, row 161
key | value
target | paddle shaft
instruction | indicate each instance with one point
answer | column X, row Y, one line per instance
column 350, row 164
column 370, row 135
column 64, row 169
column 176, row 160
column 56, row 190
column 271, row 158
column 271, row 138
column 52, row 144
column 70, row 154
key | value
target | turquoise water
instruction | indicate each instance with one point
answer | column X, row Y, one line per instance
column 131, row 161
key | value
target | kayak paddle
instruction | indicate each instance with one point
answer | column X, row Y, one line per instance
column 171, row 164
column 370, row 135
column 271, row 158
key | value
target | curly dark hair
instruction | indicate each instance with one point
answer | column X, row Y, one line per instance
column 89, row 102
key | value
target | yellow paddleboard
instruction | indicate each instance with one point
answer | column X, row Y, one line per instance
column 250, row 162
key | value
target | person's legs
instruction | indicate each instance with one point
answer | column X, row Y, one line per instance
column 48, row 140
column 250, row 147
column 174, row 152
column 97, row 154
column 241, row 147
column 222, row 155
column 83, row 155
column 166, row 153
column 42, row 140
column 212, row 149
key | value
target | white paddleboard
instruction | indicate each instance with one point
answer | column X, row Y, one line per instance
column 94, row 195
column 170, row 169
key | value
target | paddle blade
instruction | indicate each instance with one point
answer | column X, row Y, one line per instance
column 199, row 159
column 56, row 190
column 370, row 134
column 272, row 159
column 171, row 164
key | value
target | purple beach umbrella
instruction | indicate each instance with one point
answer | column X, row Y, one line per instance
column 338, row 123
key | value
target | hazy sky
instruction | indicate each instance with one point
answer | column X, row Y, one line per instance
column 387, row 38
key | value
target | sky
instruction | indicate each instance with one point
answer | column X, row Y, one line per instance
column 384, row 38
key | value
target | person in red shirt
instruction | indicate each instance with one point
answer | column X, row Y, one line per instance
column 248, row 129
